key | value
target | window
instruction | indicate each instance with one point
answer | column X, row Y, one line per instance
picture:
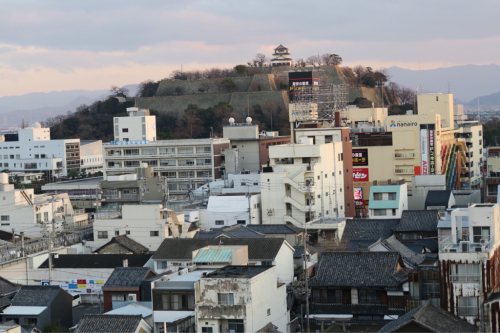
column 201, row 150
column 154, row 233
column 120, row 298
column 203, row 161
column 162, row 264
column 328, row 138
column 267, row 263
column 102, row 234
column 467, row 306
column 409, row 236
column 38, row 218
column 124, row 130
column 393, row 212
column 186, row 174
column 148, row 151
column 377, row 196
column 206, row 330
column 117, row 233
column 5, row 218
column 464, row 273
column 44, row 156
column 226, row 298
column 167, row 150
column 185, row 150
column 219, row 222
column 392, row 196
column 369, row 296
column 30, row 321
column 327, row 295
column 241, row 222
column 481, row 234
column 127, row 232
column 11, row 157
column 379, row 212
column 185, row 162
column 167, row 162
column 131, row 152
column 174, row 300
column 268, row 312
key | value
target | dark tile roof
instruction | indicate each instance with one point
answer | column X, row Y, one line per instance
column 128, row 243
column 359, row 245
column 35, row 295
column 7, row 287
column 360, row 269
column 274, row 229
column 415, row 247
column 430, row 244
column 368, row 229
column 97, row 260
column 109, row 323
column 299, row 250
column 269, row 328
column 182, row 248
column 234, row 231
column 430, row 318
column 418, row 220
column 237, row 272
column 208, row 233
column 408, row 255
column 5, row 301
column 128, row 276
column 437, row 198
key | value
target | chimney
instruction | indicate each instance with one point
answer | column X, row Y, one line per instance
column 125, row 262
column 337, row 119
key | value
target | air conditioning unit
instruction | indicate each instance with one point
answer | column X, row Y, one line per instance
column 132, row 298
column 478, row 249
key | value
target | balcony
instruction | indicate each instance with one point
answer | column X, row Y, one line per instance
column 447, row 246
column 401, row 156
column 220, row 311
column 120, row 197
column 404, row 171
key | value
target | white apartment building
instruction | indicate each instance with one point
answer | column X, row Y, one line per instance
column 148, row 225
column 303, row 183
column 32, row 214
column 472, row 133
column 468, row 262
column 130, row 128
column 240, row 299
column 32, row 150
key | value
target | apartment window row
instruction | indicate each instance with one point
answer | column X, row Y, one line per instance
column 380, row 196
column 186, row 174
column 178, row 300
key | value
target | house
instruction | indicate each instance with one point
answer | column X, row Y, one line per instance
column 261, row 252
column 428, row 318
column 293, row 235
column 86, row 274
column 366, row 285
column 124, row 285
column 38, row 305
column 113, row 324
column 135, row 308
column 391, row 244
column 439, row 199
column 388, row 201
column 122, row 245
column 358, row 234
column 229, row 209
column 240, row 299
column 416, row 225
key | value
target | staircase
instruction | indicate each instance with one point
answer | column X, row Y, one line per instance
column 293, row 221
column 27, row 198
column 296, row 204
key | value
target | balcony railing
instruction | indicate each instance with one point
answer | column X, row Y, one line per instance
column 448, row 246
column 467, row 311
column 464, row 277
column 123, row 196
column 404, row 155
column 404, row 171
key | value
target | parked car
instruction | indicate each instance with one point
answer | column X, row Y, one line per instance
column 77, row 300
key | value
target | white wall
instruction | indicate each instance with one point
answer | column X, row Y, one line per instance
column 230, row 209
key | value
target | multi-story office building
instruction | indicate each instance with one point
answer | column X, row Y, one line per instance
column 472, row 133
column 492, row 179
column 187, row 164
column 304, row 182
column 31, row 150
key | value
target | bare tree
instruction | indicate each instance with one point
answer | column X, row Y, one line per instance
column 260, row 60
column 314, row 60
column 359, row 71
column 299, row 62
column 406, row 95
column 329, row 59
column 118, row 92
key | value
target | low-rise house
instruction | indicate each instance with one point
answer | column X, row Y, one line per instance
column 122, row 245
column 113, row 324
column 124, row 284
column 261, row 252
column 240, row 299
column 135, row 308
column 38, row 305
column 416, row 225
column 428, row 318
column 366, row 285
column 231, row 208
column 293, row 235
column 388, row 201
column 439, row 199
column 358, row 234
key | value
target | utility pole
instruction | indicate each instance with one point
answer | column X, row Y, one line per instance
column 249, row 204
column 305, row 262
column 49, row 248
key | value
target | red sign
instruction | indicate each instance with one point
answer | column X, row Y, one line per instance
column 360, row 175
column 360, row 202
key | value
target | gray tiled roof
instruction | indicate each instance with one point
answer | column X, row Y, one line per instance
column 127, row 243
column 369, row 229
column 97, row 260
column 359, row 245
column 4, row 302
column 127, row 276
column 408, row 255
column 274, row 229
column 299, row 250
column 234, row 231
column 269, row 328
column 182, row 248
column 437, row 198
column 359, row 269
column 418, row 220
column 109, row 323
column 35, row 295
column 7, row 287
column 430, row 318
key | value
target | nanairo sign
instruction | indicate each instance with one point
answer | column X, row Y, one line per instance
column 402, row 123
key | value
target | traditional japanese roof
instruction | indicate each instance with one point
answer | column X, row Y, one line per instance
column 182, row 248
column 234, row 231
column 369, row 229
column 431, row 319
column 6, row 287
column 126, row 242
column 109, row 323
column 418, row 220
column 274, row 229
column 359, row 245
column 38, row 296
column 128, row 276
column 269, row 328
column 408, row 255
column 237, row 272
column 281, row 48
column 97, row 260
column 437, row 198
column 360, row 269
column 299, row 250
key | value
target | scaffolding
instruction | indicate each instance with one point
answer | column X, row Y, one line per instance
column 325, row 100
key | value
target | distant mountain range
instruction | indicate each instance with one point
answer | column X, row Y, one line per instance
column 40, row 106
column 466, row 82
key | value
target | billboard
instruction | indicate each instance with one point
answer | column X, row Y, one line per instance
column 302, row 83
column 432, row 153
column 358, row 193
column 424, row 148
column 360, row 157
column 360, row 174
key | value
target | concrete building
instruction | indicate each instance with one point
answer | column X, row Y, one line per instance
column 240, row 299
column 472, row 133
column 139, row 125
column 304, row 182
column 230, row 209
column 467, row 260
column 24, row 211
column 31, row 150
column 249, row 149
column 388, row 201
column 281, row 57
column 81, row 192
column 25, row 178
column 149, row 225
column 422, row 184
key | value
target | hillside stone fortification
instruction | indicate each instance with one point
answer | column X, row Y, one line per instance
column 263, row 85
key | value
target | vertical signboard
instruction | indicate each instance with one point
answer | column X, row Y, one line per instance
column 424, row 148
column 360, row 157
column 303, row 83
column 432, row 155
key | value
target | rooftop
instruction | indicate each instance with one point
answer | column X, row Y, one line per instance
column 274, row 229
column 127, row 243
column 109, row 323
column 234, row 231
column 213, row 255
column 128, row 276
column 7, row 287
column 418, row 220
column 96, row 260
column 392, row 244
column 369, row 229
column 437, row 198
column 299, row 250
column 35, row 295
column 238, row 272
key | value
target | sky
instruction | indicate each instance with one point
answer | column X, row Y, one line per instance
column 63, row 45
